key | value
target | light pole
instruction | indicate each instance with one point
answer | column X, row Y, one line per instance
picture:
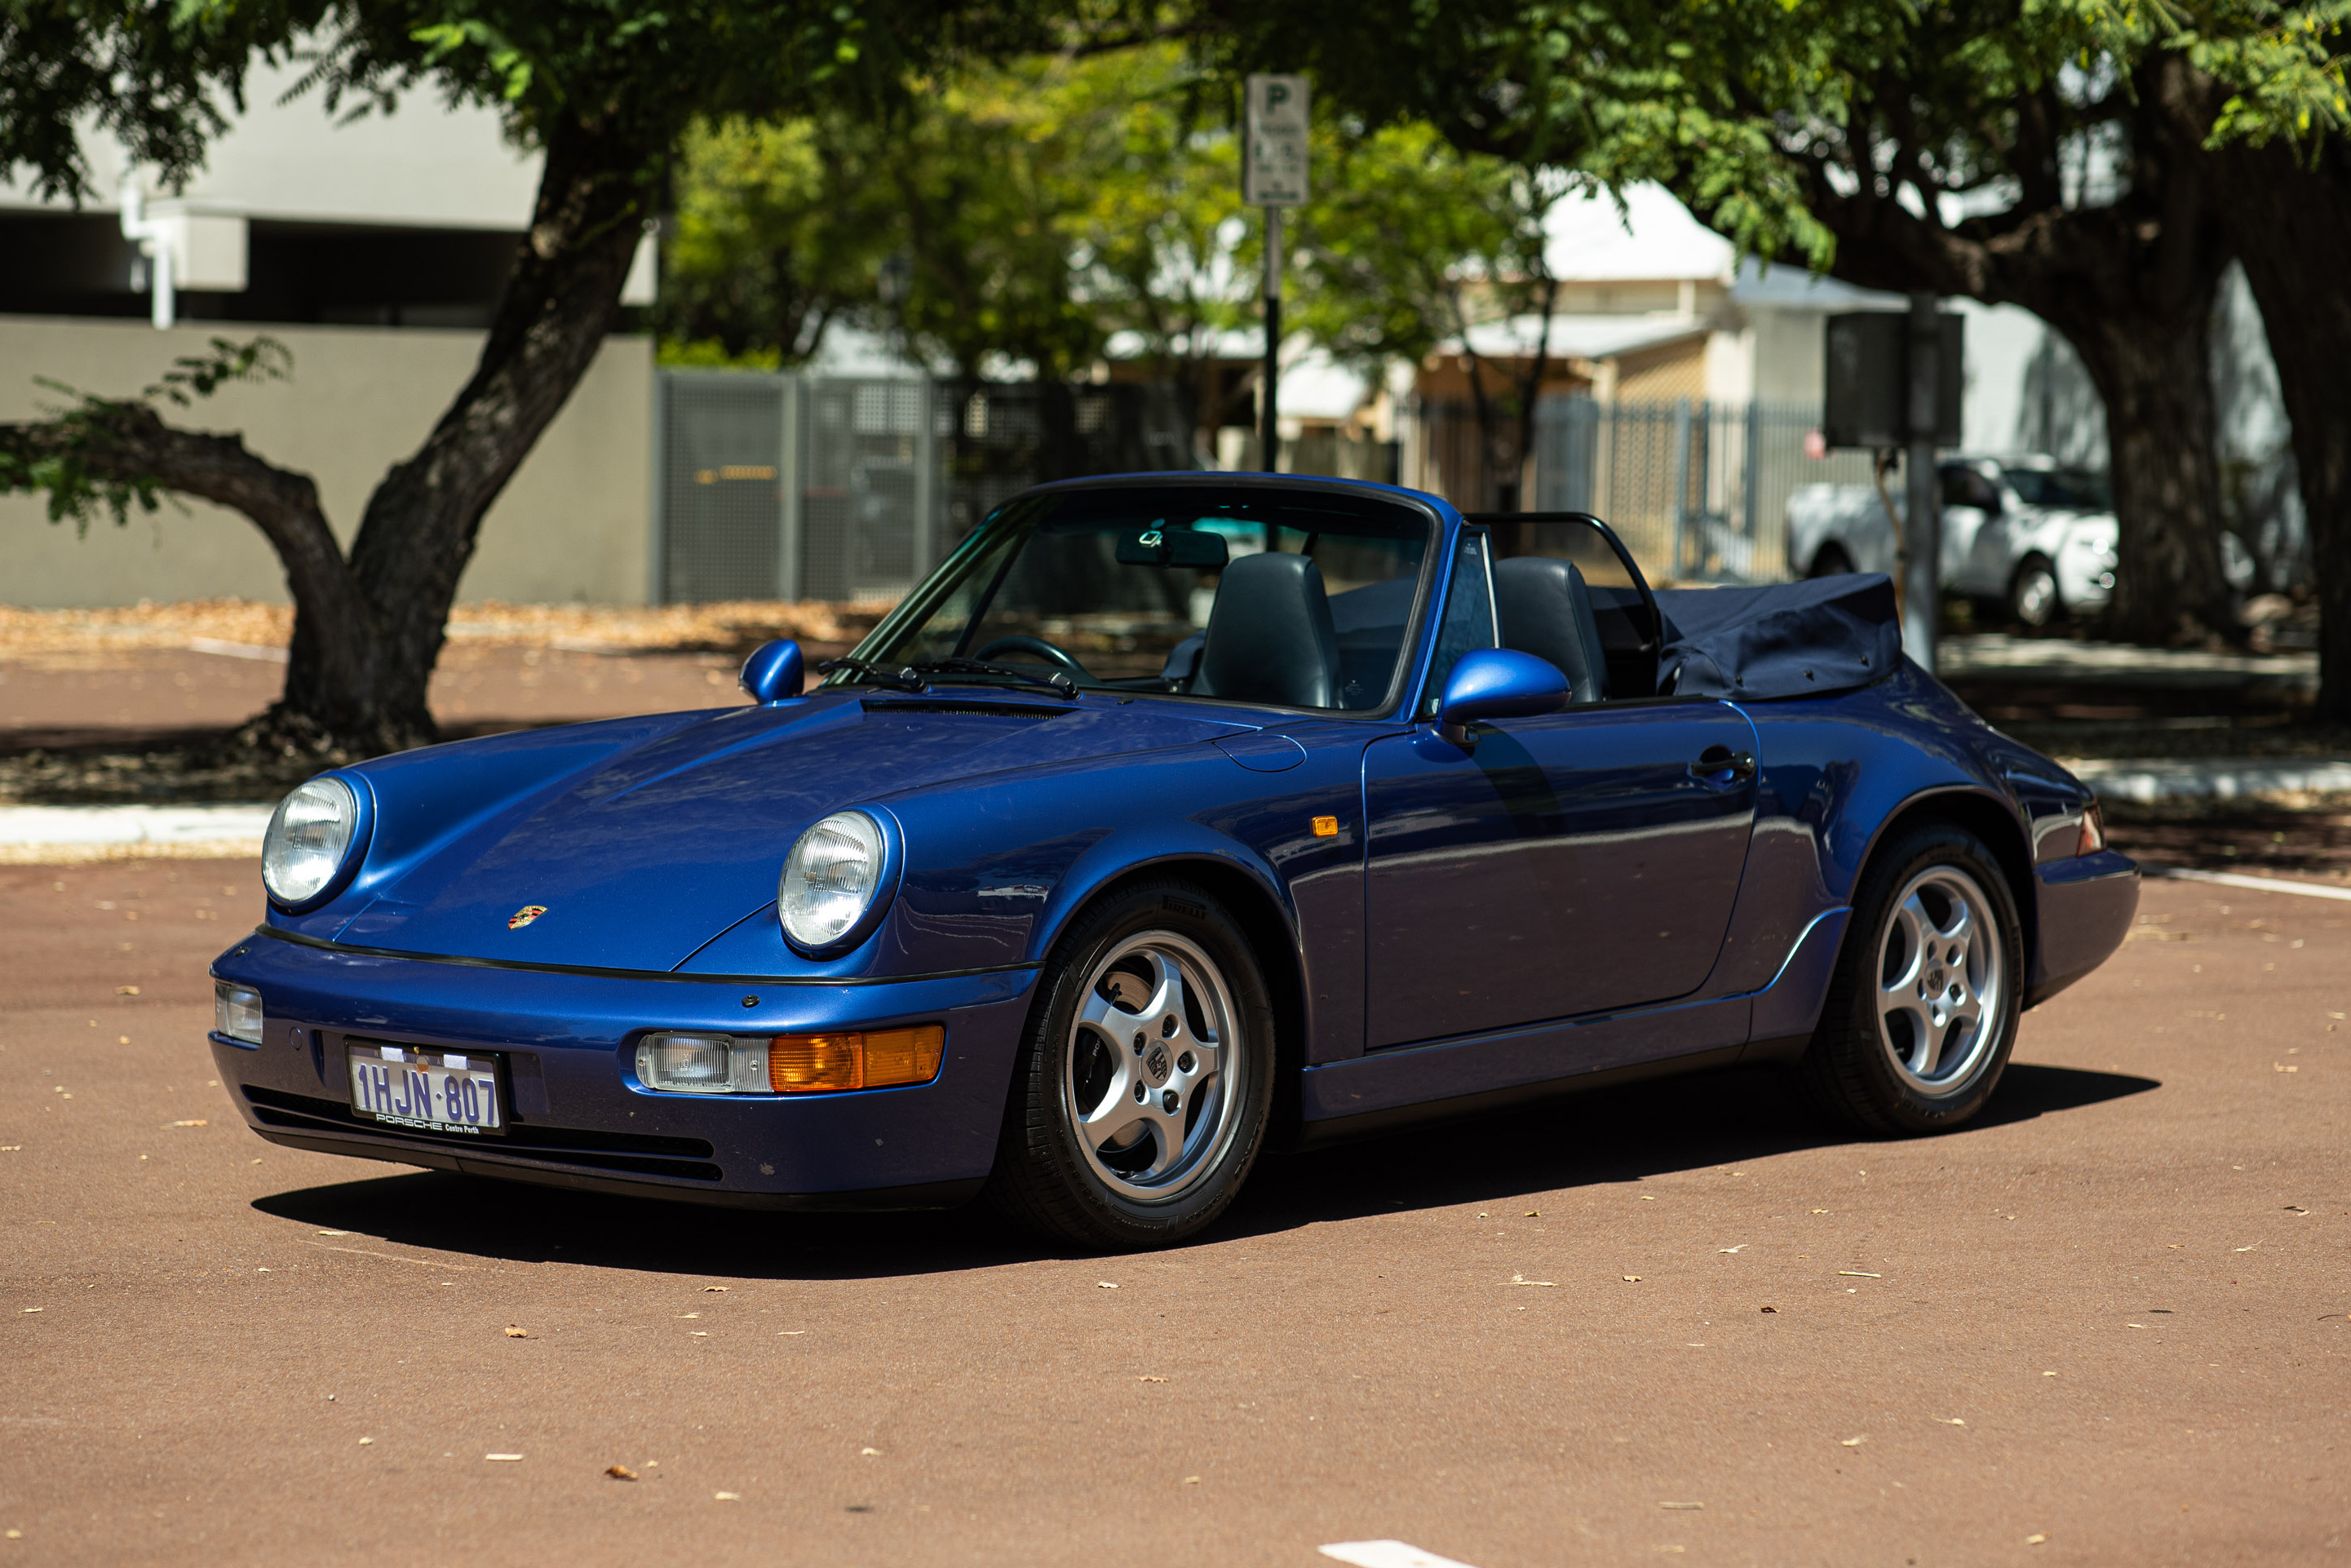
column 1273, row 176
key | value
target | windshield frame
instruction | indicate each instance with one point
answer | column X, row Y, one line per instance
column 1412, row 653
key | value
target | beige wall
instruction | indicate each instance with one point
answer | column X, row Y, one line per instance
column 571, row 526
column 1664, row 373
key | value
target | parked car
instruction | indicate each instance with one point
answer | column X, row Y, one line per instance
column 2018, row 532
column 1172, row 817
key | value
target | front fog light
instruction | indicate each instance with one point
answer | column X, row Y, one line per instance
column 703, row 1064
column 236, row 1013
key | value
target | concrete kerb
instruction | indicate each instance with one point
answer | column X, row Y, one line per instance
column 2147, row 779
column 56, row 835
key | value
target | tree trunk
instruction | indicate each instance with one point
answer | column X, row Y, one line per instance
column 2131, row 285
column 418, row 532
column 2152, row 368
column 2292, row 222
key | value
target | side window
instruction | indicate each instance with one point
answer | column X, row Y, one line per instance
column 1966, row 487
column 1468, row 621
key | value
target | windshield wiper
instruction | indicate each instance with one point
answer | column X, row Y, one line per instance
column 1053, row 681
column 901, row 679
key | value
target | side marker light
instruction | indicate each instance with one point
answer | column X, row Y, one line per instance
column 1326, row 827
column 2094, row 831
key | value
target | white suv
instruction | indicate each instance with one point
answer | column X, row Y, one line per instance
column 2021, row 531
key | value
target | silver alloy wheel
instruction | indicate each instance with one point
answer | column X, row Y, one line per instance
column 2035, row 600
column 1941, row 985
column 1145, row 1067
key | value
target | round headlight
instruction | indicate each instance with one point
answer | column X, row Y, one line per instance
column 308, row 839
column 829, row 878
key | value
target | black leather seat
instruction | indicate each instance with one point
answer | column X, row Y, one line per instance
column 1546, row 610
column 1270, row 638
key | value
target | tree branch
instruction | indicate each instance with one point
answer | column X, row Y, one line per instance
column 110, row 453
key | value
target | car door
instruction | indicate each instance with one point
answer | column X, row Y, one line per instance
column 1975, row 533
column 1580, row 861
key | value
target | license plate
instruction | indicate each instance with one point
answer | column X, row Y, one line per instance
column 431, row 1091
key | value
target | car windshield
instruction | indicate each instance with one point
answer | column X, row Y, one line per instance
column 1287, row 596
column 2077, row 489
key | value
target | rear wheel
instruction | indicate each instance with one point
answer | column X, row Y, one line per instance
column 1922, row 1009
column 1144, row 1084
column 1830, row 561
column 2032, row 596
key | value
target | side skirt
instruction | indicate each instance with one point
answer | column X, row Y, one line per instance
column 1371, row 1123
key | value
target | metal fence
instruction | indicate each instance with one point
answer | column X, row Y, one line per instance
column 802, row 486
column 1699, row 490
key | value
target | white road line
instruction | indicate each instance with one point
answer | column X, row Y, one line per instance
column 1387, row 1554
column 2253, row 883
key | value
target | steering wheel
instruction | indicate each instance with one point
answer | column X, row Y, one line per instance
column 1037, row 645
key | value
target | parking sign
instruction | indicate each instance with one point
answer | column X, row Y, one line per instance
column 1273, row 170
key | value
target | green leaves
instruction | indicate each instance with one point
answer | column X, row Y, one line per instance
column 77, row 457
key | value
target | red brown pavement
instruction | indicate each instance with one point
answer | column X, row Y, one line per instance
column 2106, row 1325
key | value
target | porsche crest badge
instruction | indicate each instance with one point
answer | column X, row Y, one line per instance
column 525, row 915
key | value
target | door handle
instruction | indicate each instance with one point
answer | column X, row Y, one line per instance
column 1721, row 765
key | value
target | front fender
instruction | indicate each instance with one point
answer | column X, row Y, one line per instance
column 997, row 869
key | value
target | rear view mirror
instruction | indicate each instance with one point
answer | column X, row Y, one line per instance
column 1497, row 683
column 1159, row 545
column 773, row 671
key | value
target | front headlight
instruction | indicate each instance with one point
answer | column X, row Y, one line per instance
column 831, row 878
column 309, row 837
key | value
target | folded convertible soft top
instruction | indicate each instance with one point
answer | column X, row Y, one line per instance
column 1789, row 639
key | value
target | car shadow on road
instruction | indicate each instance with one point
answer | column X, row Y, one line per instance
column 1626, row 1133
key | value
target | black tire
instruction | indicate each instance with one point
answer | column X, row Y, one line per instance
column 1861, row 1067
column 1048, row 1178
column 2033, row 598
column 1830, row 561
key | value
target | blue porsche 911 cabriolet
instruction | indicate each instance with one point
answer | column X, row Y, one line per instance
column 1173, row 816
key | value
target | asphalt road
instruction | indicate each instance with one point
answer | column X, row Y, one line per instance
column 1673, row 1323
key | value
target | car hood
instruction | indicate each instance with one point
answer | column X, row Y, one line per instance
column 643, row 855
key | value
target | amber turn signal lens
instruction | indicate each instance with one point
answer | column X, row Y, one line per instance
column 2094, row 831
column 1326, row 827
column 873, row 1059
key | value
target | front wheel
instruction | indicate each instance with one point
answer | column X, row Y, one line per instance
column 1922, row 1009
column 1145, row 1082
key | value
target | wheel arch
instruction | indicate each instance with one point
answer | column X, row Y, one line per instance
column 1271, row 931
column 1991, row 819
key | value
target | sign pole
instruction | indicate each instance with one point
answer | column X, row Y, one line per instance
column 1269, row 408
column 1273, row 176
column 1923, row 527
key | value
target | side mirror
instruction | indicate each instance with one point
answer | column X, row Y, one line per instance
column 774, row 672
column 1497, row 683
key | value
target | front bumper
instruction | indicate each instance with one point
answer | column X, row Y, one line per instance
column 576, row 1115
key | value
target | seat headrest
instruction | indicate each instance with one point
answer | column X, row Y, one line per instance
column 1545, row 610
column 1270, row 638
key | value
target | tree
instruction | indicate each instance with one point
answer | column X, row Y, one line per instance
column 602, row 88
column 2010, row 151
column 1040, row 208
column 2265, row 97
column 1412, row 243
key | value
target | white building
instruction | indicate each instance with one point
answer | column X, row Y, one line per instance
column 375, row 251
